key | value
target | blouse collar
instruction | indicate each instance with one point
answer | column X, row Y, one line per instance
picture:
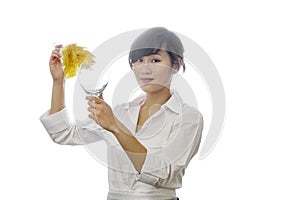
column 174, row 103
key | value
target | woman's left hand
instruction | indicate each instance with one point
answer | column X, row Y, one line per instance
column 101, row 112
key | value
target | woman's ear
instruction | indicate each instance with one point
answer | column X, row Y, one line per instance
column 176, row 65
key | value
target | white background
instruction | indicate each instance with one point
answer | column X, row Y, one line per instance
column 255, row 46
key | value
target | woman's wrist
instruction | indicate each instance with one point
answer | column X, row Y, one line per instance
column 58, row 82
column 115, row 129
column 118, row 129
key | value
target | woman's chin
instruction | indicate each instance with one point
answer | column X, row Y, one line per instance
column 151, row 88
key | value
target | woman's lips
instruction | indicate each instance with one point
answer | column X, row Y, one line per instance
column 146, row 80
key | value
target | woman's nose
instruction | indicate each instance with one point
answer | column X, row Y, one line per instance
column 146, row 68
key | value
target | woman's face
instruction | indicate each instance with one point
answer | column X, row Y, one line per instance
column 154, row 72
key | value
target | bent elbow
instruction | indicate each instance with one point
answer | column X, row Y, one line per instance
column 66, row 137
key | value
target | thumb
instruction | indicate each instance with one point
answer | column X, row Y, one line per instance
column 101, row 96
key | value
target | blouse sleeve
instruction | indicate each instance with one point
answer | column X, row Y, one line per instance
column 65, row 132
column 166, row 167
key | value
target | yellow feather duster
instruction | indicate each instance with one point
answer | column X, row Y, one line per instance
column 73, row 57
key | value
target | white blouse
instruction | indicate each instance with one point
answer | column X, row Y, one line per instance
column 171, row 135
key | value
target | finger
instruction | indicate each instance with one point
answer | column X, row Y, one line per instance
column 95, row 99
column 59, row 46
column 92, row 104
column 93, row 117
column 101, row 96
column 57, row 52
column 91, row 98
column 55, row 61
column 54, row 56
column 99, row 100
column 92, row 110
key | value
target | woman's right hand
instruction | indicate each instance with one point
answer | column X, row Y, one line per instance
column 55, row 64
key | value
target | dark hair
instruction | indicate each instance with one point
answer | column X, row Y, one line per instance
column 153, row 40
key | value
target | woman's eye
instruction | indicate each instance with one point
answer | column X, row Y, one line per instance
column 155, row 61
column 139, row 60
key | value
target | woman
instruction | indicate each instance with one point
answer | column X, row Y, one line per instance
column 151, row 139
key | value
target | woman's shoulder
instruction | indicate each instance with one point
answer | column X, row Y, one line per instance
column 184, row 108
column 191, row 113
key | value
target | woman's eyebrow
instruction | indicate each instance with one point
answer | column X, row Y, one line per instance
column 155, row 53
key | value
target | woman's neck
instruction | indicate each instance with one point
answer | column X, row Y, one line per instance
column 157, row 98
